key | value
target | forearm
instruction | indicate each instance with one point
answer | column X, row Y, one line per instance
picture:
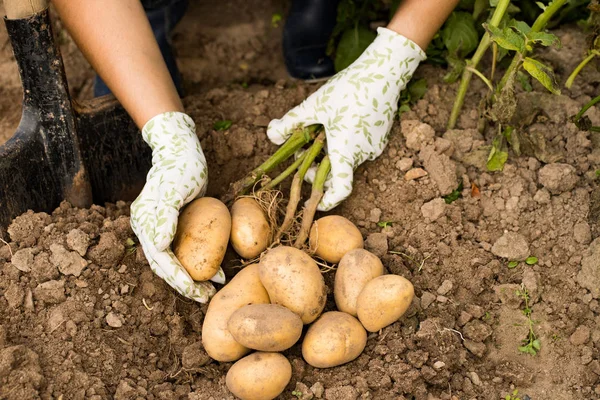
column 419, row 20
column 116, row 38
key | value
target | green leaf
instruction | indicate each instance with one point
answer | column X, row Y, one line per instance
column 536, row 344
column 403, row 108
column 524, row 81
column 520, row 26
column 456, row 66
column 222, row 125
column 276, row 19
column 352, row 44
column 417, row 89
column 455, row 195
column 513, row 264
column 459, row 34
column 531, row 260
column 544, row 38
column 384, row 224
column 506, row 38
column 543, row 73
column 498, row 155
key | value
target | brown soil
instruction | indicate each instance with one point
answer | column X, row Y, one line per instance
column 82, row 315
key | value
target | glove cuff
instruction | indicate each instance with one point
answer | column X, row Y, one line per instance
column 402, row 47
column 160, row 129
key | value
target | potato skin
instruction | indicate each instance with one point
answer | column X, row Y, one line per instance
column 245, row 288
column 202, row 235
column 333, row 236
column 383, row 300
column 294, row 281
column 334, row 339
column 250, row 230
column 259, row 376
column 265, row 327
column 354, row 271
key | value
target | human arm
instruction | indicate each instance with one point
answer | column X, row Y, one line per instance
column 358, row 105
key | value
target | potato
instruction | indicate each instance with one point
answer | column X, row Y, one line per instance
column 294, row 281
column 354, row 271
column 245, row 288
column 202, row 236
column 333, row 236
column 265, row 327
column 250, row 230
column 259, row 376
column 334, row 339
column 383, row 300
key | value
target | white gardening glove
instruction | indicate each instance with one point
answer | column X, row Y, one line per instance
column 357, row 108
column 178, row 175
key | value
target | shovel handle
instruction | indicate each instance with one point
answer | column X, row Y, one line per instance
column 18, row 9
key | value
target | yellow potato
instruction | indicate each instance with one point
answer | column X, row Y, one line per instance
column 331, row 237
column 383, row 300
column 245, row 288
column 259, row 376
column 294, row 281
column 202, row 236
column 250, row 230
column 354, row 271
column 265, row 327
column 334, row 339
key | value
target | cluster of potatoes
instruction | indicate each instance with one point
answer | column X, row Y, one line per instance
column 265, row 307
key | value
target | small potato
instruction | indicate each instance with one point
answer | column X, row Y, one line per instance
column 333, row 236
column 202, row 236
column 383, row 300
column 294, row 281
column 354, row 271
column 259, row 376
column 334, row 339
column 265, row 327
column 250, row 230
column 245, row 288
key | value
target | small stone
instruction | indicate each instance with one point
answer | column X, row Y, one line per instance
column 14, row 295
column 441, row 169
column 580, row 336
column 67, row 262
column 511, row 245
column 587, row 355
column 582, row 233
column 114, row 320
column 404, row 164
column 377, row 243
column 463, row 318
column 433, row 209
column 23, row 260
column 474, row 378
column 445, row 287
column 375, row 215
column 194, row 356
column 558, row 177
column 80, row 283
column 79, row 241
column 317, row 389
column 476, row 348
column 28, row 302
column 542, row 196
column 415, row 173
column 416, row 133
column 441, row 299
column 426, row 300
column 438, row 365
column 122, row 269
column 124, row 289
column 52, row 292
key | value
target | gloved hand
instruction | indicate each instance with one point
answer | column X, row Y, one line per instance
column 357, row 108
column 178, row 175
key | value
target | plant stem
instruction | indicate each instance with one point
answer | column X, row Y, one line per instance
column 481, row 76
column 316, row 195
column 538, row 25
column 284, row 174
column 578, row 69
column 298, row 139
column 296, row 188
column 479, row 53
column 587, row 107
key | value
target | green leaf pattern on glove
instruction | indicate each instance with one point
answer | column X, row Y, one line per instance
column 357, row 108
column 178, row 176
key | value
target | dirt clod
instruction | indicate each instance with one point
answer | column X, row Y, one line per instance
column 558, row 177
column 512, row 246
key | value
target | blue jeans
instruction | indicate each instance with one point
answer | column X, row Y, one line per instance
column 163, row 16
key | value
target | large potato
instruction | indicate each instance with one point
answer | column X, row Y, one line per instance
column 334, row 339
column 202, row 236
column 383, row 300
column 354, row 271
column 294, row 281
column 265, row 327
column 331, row 237
column 245, row 288
column 259, row 376
column 250, row 230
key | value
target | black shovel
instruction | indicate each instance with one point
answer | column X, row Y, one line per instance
column 83, row 153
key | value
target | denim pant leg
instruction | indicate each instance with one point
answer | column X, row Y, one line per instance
column 163, row 16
